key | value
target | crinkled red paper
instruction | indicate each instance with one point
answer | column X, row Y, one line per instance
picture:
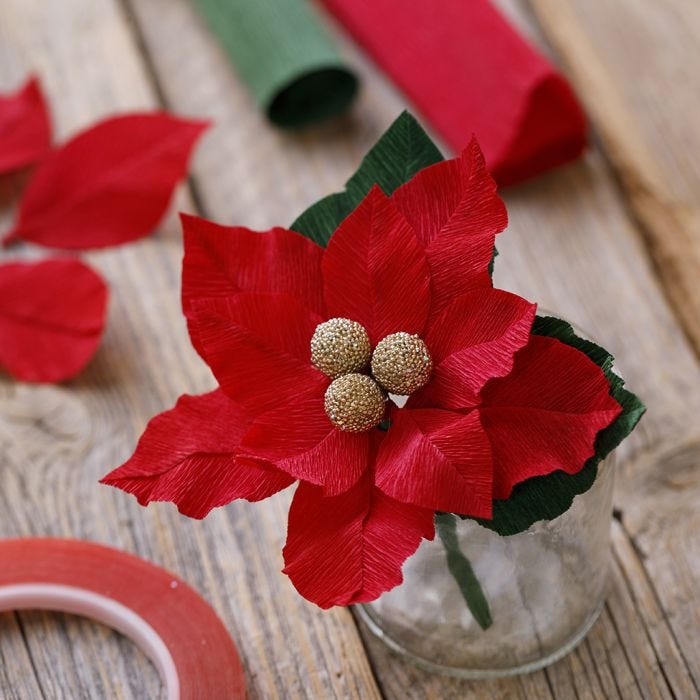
column 469, row 72
column 502, row 405
column 109, row 184
column 52, row 314
column 25, row 127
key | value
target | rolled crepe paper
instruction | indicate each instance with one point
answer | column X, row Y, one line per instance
column 470, row 73
column 285, row 56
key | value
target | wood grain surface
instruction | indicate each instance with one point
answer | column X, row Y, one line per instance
column 580, row 242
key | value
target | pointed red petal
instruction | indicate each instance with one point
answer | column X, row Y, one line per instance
column 474, row 339
column 25, row 127
column 109, row 184
column 189, row 455
column 439, row 460
column 375, row 271
column 52, row 314
column 456, row 213
column 299, row 439
column 221, row 261
column 545, row 414
column 257, row 345
column 350, row 548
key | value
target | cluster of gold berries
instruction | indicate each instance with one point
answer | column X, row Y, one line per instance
column 355, row 401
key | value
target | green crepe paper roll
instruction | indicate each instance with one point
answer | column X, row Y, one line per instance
column 285, row 56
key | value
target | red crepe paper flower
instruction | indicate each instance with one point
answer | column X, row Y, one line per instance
column 108, row 185
column 25, row 128
column 406, row 276
column 52, row 314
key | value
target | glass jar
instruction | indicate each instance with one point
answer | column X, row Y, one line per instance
column 545, row 588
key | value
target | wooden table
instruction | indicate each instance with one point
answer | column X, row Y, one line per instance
column 612, row 242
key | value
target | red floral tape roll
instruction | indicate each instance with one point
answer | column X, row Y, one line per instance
column 167, row 619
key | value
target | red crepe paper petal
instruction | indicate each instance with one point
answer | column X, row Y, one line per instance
column 221, row 261
column 350, row 548
column 469, row 72
column 25, row 127
column 456, row 213
column 375, row 271
column 190, row 455
column 546, row 413
column 439, row 460
column 257, row 345
column 474, row 340
column 109, row 184
column 52, row 314
column 299, row 439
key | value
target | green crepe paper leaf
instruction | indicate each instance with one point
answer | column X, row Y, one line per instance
column 461, row 570
column 285, row 56
column 547, row 497
column 400, row 153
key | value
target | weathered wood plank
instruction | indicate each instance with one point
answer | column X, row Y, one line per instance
column 58, row 442
column 635, row 67
column 570, row 245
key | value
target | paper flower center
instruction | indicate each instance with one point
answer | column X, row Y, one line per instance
column 340, row 346
column 401, row 363
column 355, row 402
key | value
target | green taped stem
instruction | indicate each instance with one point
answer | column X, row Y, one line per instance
column 462, row 571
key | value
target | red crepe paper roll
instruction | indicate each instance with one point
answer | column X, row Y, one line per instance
column 469, row 72
column 167, row 619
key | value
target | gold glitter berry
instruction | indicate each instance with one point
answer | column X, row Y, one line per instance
column 355, row 403
column 401, row 363
column 340, row 346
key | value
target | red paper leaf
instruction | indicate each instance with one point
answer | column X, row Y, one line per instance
column 456, row 212
column 190, row 455
column 52, row 314
column 546, row 413
column 257, row 346
column 25, row 127
column 375, row 271
column 298, row 438
column 474, row 340
column 109, row 184
column 349, row 548
column 439, row 460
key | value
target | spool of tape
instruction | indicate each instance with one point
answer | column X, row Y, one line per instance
column 167, row 619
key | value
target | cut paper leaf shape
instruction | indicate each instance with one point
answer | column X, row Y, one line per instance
column 187, row 449
column 109, row 184
column 52, row 314
column 350, row 548
column 400, row 153
column 547, row 497
column 25, row 127
column 470, row 72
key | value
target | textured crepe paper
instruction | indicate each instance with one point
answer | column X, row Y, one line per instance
column 366, row 493
column 285, row 56
column 469, row 72
column 179, row 631
column 52, row 315
column 109, row 184
column 25, row 127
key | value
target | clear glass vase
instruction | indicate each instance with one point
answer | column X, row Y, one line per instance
column 545, row 588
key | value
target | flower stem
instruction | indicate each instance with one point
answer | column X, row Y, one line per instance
column 461, row 570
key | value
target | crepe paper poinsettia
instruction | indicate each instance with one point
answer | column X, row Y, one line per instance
column 311, row 348
column 52, row 314
column 470, row 72
column 25, row 127
column 108, row 185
